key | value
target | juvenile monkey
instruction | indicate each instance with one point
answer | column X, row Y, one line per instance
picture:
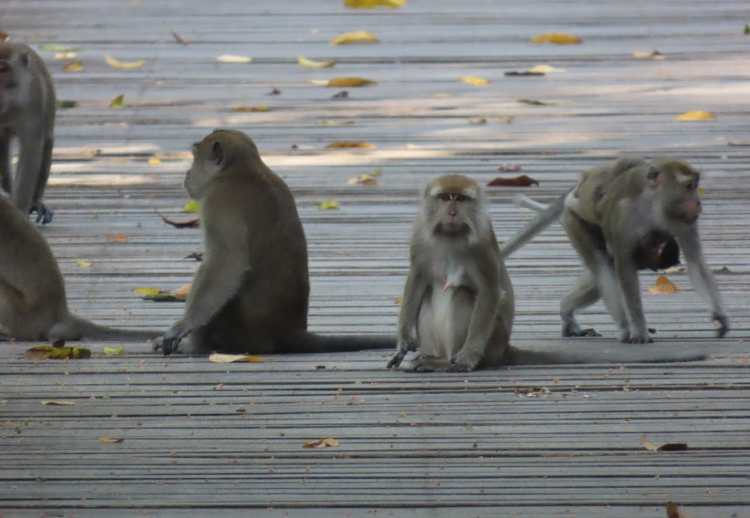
column 250, row 293
column 458, row 307
column 32, row 292
column 630, row 215
column 27, row 112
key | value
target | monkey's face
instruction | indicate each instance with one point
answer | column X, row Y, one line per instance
column 208, row 161
column 682, row 201
column 452, row 213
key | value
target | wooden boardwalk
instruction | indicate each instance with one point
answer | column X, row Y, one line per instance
column 203, row 439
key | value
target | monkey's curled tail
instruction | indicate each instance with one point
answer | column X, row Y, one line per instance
column 86, row 329
column 581, row 353
column 313, row 343
column 547, row 214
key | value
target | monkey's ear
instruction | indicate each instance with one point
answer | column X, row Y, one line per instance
column 217, row 153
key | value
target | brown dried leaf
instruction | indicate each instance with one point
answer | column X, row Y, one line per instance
column 190, row 223
column 348, row 38
column 668, row 446
column 673, row 511
column 4, row 36
column 350, row 144
column 326, row 442
column 106, row 439
column 57, row 402
column 353, row 82
column 663, row 286
column 73, row 66
column 116, row 238
column 373, row 4
column 261, row 108
column 532, row 102
column 517, row 181
column 557, row 38
column 363, row 179
column 183, row 291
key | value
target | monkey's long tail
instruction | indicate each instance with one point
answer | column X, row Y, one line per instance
column 92, row 331
column 547, row 214
column 618, row 353
column 314, row 343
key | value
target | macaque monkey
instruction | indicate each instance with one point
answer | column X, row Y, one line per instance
column 631, row 215
column 458, row 306
column 27, row 112
column 250, row 293
column 32, row 292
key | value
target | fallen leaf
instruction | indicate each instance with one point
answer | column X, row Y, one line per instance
column 398, row 300
column 309, row 63
column 157, row 295
column 274, row 91
column 532, row 102
column 183, row 291
column 348, row 38
column 190, row 223
column 57, row 402
column 546, row 69
column 234, row 58
column 326, row 442
column 61, row 104
column 118, row 350
column 83, row 263
column 4, row 36
column 643, row 54
column 372, row 4
column 329, row 205
column 49, row 352
column 261, row 108
column 478, row 121
column 192, row 207
column 676, row 269
column 117, row 102
column 335, row 122
column 106, row 439
column 663, row 286
column 116, row 238
column 124, row 65
column 557, row 38
column 697, row 115
column 350, row 144
column 517, row 181
column 56, row 47
column 509, row 168
column 673, row 510
column 739, row 143
column 179, row 39
column 668, row 446
column 363, row 179
column 234, row 358
column 474, row 80
column 154, row 160
column 65, row 56
column 524, row 73
column 345, row 82
column 73, row 66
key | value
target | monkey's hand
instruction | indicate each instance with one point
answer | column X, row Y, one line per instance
column 169, row 342
column 722, row 324
column 403, row 347
column 463, row 362
column 43, row 214
column 636, row 337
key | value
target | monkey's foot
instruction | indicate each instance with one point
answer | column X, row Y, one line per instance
column 425, row 363
column 43, row 214
column 636, row 338
column 166, row 345
column 589, row 331
column 721, row 322
column 396, row 359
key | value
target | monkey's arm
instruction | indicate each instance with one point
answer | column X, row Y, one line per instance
column 414, row 291
column 629, row 283
column 702, row 279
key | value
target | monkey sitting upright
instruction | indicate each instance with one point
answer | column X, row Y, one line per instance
column 27, row 111
column 630, row 215
column 32, row 291
column 458, row 305
column 251, row 291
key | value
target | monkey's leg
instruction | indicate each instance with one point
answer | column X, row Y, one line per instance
column 28, row 171
column 5, row 173
column 43, row 214
column 585, row 293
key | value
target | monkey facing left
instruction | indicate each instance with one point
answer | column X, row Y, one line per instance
column 27, row 113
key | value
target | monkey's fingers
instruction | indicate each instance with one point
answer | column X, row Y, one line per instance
column 721, row 322
column 396, row 359
column 43, row 214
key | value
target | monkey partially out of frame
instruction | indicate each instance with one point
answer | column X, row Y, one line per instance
column 27, row 112
column 32, row 292
column 630, row 215
column 250, row 293
column 458, row 303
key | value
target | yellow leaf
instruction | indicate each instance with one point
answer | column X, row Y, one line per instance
column 250, row 109
column 354, row 37
column 363, row 179
column 558, row 38
column 329, row 205
column 73, row 66
column 123, row 65
column 116, row 238
column 474, row 80
column 350, row 144
column 183, row 291
column 701, row 191
column 234, row 58
column 117, row 102
column 57, row 402
column 49, row 352
column 192, row 207
column 695, row 116
column 342, row 82
column 234, row 358
column 118, row 350
column 62, row 56
column 663, row 286
column 147, row 292
column 372, row 4
column 83, row 263
column 106, row 439
column 154, row 160
column 398, row 300
column 545, row 69
column 309, row 63
column 157, row 295
column 326, row 442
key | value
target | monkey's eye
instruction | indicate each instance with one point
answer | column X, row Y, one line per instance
column 691, row 186
column 445, row 196
column 461, row 197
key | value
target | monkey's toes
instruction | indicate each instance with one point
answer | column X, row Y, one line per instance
column 395, row 360
column 43, row 214
column 721, row 322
